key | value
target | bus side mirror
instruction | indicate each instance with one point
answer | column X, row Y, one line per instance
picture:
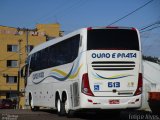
column 22, row 75
column 23, row 71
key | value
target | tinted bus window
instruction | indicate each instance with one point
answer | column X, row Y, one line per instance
column 58, row 54
column 119, row 39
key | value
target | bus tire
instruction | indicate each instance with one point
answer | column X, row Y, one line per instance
column 33, row 108
column 70, row 113
column 61, row 108
column 66, row 106
column 30, row 101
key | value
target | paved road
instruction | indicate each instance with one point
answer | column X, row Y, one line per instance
column 51, row 115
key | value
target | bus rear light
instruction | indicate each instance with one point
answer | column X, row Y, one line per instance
column 89, row 28
column 112, row 27
column 85, row 85
column 140, row 84
column 90, row 100
column 133, row 29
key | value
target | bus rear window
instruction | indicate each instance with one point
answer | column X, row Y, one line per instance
column 112, row 39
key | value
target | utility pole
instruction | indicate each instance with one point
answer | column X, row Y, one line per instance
column 27, row 36
column 27, row 31
column 19, row 72
column 19, row 61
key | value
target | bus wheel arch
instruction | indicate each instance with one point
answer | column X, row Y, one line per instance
column 30, row 98
column 31, row 101
column 60, row 106
column 33, row 108
column 57, row 96
column 64, row 96
column 65, row 101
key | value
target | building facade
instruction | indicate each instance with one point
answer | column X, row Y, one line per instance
column 15, row 44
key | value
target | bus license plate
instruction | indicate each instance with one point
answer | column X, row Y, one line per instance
column 113, row 101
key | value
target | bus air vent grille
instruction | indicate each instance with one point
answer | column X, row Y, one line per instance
column 113, row 65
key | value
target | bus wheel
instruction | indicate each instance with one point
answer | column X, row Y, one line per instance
column 61, row 108
column 66, row 106
column 33, row 108
column 30, row 102
column 70, row 114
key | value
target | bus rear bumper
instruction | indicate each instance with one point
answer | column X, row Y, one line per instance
column 110, row 102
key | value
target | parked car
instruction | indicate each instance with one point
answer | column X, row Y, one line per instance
column 6, row 104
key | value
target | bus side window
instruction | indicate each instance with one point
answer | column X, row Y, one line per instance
column 75, row 46
column 32, row 64
column 80, row 41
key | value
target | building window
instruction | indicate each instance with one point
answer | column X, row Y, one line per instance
column 12, row 48
column 12, row 63
column 30, row 47
column 11, row 79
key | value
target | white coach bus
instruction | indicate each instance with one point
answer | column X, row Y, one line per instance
column 91, row 68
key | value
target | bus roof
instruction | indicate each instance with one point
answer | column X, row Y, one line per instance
column 56, row 40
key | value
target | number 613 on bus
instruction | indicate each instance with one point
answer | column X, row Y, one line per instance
column 113, row 84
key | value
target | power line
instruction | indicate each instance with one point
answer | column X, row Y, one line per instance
column 79, row 4
column 51, row 11
column 150, row 29
column 69, row 12
column 47, row 14
column 148, row 26
column 131, row 13
column 56, row 11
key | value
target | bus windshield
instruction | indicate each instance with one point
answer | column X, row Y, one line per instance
column 112, row 39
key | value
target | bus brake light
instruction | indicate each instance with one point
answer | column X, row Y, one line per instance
column 89, row 28
column 140, row 84
column 112, row 27
column 85, row 85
